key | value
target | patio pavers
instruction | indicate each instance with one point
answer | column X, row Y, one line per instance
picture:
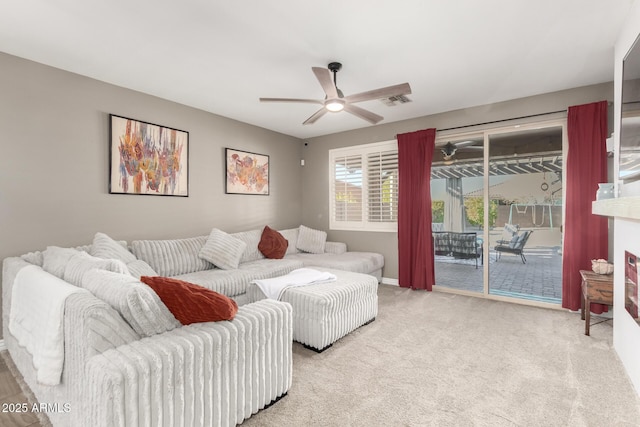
column 539, row 279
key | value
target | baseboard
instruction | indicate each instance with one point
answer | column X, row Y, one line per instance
column 2, row 346
column 390, row 281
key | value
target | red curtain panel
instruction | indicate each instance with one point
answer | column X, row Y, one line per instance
column 415, row 242
column 585, row 234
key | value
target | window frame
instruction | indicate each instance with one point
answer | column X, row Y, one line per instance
column 364, row 224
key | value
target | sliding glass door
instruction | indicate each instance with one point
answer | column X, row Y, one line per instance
column 504, row 188
column 526, row 203
column 457, row 210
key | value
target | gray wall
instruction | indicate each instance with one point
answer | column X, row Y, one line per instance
column 54, row 128
column 315, row 195
column 54, row 176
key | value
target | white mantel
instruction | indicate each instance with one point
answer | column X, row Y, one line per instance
column 620, row 207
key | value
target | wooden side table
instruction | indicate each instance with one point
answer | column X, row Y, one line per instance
column 597, row 288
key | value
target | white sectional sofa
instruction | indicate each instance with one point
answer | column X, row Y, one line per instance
column 179, row 258
column 121, row 367
column 215, row 373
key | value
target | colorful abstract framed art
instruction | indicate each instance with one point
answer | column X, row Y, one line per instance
column 246, row 173
column 147, row 159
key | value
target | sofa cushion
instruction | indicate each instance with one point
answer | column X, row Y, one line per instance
column 172, row 257
column 105, row 328
column 358, row 262
column 135, row 301
column 335, row 248
column 272, row 244
column 55, row 259
column 251, row 238
column 310, row 240
column 35, row 258
column 140, row 268
column 191, row 303
column 223, row 250
column 82, row 262
column 226, row 282
column 105, row 247
column 235, row 282
column 267, row 268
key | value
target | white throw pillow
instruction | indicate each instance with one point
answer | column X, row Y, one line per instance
column 82, row 262
column 138, row 304
column 310, row 240
column 55, row 259
column 223, row 250
column 105, row 247
column 291, row 234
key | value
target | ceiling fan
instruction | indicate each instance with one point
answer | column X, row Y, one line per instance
column 449, row 150
column 335, row 100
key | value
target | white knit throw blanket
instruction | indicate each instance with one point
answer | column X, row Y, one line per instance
column 273, row 288
column 37, row 319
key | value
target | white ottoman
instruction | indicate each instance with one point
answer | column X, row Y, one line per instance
column 324, row 313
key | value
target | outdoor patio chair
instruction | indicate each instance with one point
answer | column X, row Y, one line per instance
column 515, row 246
column 465, row 246
column 509, row 232
column 441, row 243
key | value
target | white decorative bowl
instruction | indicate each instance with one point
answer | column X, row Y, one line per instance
column 601, row 266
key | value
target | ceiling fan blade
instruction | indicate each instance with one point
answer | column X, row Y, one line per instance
column 309, row 101
column 384, row 92
column 324, row 77
column 311, row 120
column 363, row 114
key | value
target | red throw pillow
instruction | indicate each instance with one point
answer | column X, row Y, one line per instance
column 272, row 244
column 191, row 303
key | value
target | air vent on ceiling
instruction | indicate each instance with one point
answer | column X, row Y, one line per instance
column 395, row 100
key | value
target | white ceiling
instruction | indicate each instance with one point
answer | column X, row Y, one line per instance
column 221, row 56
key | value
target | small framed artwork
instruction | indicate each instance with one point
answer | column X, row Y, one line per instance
column 147, row 159
column 247, row 173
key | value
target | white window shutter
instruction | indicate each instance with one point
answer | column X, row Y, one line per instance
column 382, row 180
column 364, row 187
column 347, row 193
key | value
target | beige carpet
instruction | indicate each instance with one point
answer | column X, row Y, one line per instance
column 437, row 359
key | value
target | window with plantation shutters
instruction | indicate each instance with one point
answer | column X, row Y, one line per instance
column 347, row 192
column 364, row 187
column 382, row 178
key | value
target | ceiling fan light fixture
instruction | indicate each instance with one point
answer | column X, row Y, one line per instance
column 334, row 105
column 335, row 101
column 448, row 151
